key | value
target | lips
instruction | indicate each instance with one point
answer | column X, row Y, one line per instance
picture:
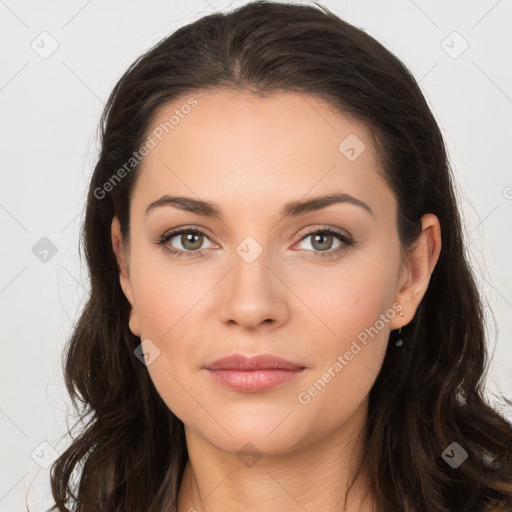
column 253, row 374
column 262, row 362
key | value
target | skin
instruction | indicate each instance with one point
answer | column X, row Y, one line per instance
column 251, row 155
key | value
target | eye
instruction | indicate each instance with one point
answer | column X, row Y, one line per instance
column 190, row 240
column 322, row 241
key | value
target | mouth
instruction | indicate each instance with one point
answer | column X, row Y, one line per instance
column 253, row 374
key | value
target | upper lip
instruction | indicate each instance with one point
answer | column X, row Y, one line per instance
column 260, row 362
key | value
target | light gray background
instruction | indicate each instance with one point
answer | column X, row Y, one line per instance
column 50, row 112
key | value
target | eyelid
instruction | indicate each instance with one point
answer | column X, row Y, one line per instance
column 185, row 229
column 325, row 228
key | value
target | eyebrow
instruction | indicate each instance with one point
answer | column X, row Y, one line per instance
column 291, row 209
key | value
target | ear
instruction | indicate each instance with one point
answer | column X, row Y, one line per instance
column 417, row 269
column 121, row 254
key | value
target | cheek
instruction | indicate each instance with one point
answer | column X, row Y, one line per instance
column 352, row 308
column 347, row 360
column 169, row 307
column 340, row 302
column 168, row 320
column 167, row 295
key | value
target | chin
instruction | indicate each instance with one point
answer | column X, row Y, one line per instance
column 268, row 430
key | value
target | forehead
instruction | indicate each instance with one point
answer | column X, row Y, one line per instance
column 237, row 146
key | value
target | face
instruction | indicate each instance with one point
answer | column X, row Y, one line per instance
column 318, row 285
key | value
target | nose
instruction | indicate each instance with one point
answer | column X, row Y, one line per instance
column 252, row 294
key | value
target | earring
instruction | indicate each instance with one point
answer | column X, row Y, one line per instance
column 399, row 342
column 400, row 313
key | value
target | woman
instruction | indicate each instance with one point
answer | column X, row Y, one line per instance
column 282, row 316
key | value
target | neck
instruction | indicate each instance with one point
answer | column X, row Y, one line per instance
column 316, row 477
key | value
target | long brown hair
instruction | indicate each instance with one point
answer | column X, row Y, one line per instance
column 130, row 452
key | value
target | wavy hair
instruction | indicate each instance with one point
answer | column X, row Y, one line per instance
column 131, row 452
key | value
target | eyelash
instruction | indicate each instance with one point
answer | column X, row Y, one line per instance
column 345, row 239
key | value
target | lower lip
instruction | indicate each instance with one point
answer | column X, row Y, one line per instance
column 253, row 381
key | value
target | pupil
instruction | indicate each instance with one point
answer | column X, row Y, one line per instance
column 317, row 237
column 189, row 238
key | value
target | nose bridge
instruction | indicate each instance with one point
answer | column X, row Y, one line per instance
column 250, row 276
column 250, row 262
column 252, row 293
